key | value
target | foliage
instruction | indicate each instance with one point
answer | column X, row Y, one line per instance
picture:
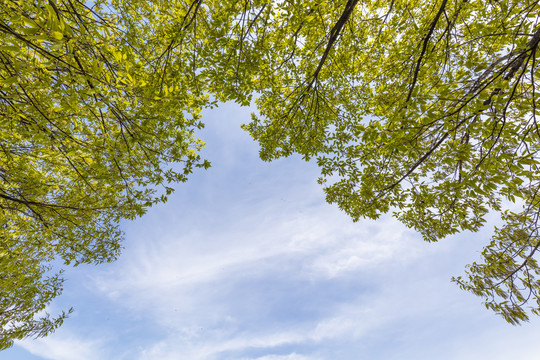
column 94, row 123
column 427, row 109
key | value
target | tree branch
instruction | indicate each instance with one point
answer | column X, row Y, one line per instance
column 424, row 48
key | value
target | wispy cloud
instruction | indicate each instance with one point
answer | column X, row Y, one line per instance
column 291, row 356
column 65, row 346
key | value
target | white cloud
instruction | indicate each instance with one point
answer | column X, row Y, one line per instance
column 349, row 323
column 179, row 279
column 325, row 241
column 212, row 348
column 64, row 346
column 291, row 356
column 357, row 249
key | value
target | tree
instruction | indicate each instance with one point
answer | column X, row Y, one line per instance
column 95, row 123
column 427, row 109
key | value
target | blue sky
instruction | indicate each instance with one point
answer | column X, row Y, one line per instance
column 248, row 262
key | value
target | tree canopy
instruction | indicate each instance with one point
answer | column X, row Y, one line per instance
column 95, row 123
column 426, row 109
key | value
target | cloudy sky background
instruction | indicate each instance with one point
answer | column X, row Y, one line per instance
column 248, row 262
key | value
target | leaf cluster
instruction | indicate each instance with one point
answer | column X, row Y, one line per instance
column 96, row 120
column 427, row 109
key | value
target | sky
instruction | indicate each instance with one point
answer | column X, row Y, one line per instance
column 246, row 261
